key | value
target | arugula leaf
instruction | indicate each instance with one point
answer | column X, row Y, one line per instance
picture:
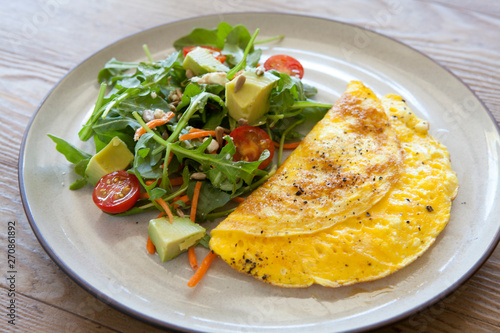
column 231, row 40
column 209, row 118
column 149, row 188
column 190, row 91
column 236, row 43
column 205, row 37
column 157, row 193
column 309, row 91
column 78, row 184
column 74, row 155
column 204, row 241
column 220, row 167
column 243, row 62
column 114, row 70
column 210, row 198
column 197, row 103
column 148, row 77
column 289, row 98
column 148, row 165
column 285, row 93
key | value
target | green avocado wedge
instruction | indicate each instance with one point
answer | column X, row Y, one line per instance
column 171, row 239
column 251, row 100
column 115, row 156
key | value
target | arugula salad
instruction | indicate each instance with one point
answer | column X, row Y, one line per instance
column 191, row 134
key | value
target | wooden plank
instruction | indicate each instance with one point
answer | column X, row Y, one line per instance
column 44, row 39
column 30, row 315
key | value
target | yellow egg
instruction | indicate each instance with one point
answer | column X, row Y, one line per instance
column 344, row 166
column 396, row 201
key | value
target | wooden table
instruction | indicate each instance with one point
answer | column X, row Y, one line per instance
column 40, row 41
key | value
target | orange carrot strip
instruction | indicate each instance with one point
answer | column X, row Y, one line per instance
column 160, row 215
column 194, row 203
column 195, row 135
column 238, row 199
column 176, row 181
column 144, row 195
column 151, row 181
column 183, row 198
column 150, row 246
column 291, row 145
column 193, row 130
column 154, row 123
column 200, row 272
column 192, row 259
column 169, row 160
column 167, row 210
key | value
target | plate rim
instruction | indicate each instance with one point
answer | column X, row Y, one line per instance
column 162, row 324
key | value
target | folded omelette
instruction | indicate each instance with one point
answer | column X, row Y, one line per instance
column 366, row 193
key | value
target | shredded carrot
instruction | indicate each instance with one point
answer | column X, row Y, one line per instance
column 167, row 210
column 291, row 145
column 173, row 181
column 238, row 199
column 176, row 181
column 144, row 195
column 151, row 181
column 192, row 259
column 191, row 254
column 154, row 123
column 196, row 134
column 150, row 246
column 200, row 272
column 170, row 158
column 194, row 203
column 160, row 215
column 183, row 198
column 193, row 130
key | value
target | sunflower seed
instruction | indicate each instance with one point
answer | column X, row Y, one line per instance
column 189, row 73
column 219, row 133
column 180, row 212
column 198, row 176
column 242, row 122
column 240, row 81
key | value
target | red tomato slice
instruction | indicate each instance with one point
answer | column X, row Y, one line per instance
column 116, row 192
column 217, row 53
column 250, row 142
column 285, row 64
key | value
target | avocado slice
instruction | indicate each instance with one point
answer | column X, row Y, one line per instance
column 115, row 156
column 171, row 239
column 251, row 101
column 201, row 61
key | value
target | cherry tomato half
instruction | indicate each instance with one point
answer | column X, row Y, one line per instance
column 285, row 64
column 250, row 142
column 116, row 192
column 217, row 53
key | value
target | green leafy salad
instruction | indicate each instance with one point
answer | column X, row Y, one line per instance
column 191, row 134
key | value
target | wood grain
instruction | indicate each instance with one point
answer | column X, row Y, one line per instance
column 42, row 40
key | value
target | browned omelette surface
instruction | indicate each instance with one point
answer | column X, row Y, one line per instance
column 367, row 245
column 345, row 165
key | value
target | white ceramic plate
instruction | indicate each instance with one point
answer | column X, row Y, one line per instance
column 107, row 256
